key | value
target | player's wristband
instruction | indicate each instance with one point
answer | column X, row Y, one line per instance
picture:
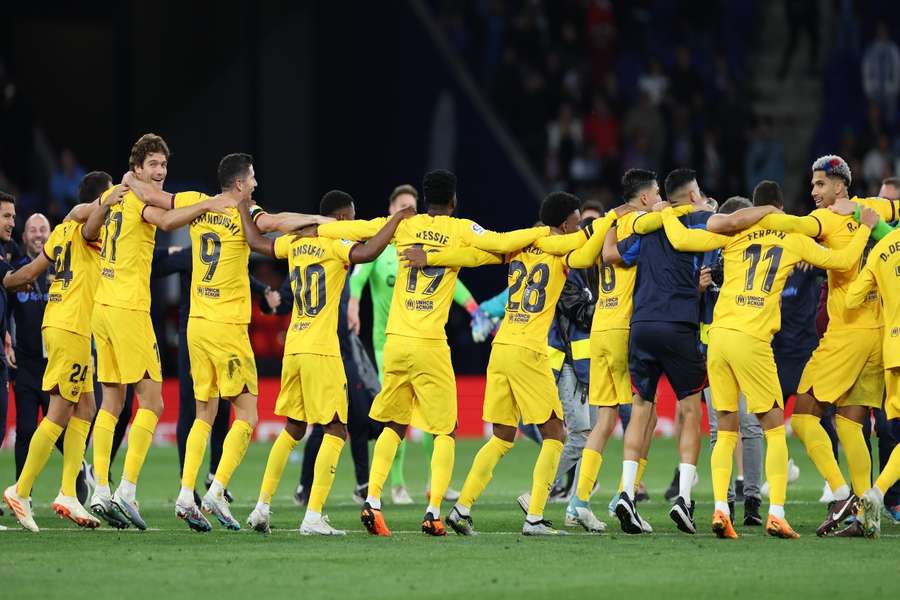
column 471, row 306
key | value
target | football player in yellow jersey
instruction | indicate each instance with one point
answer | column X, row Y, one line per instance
column 846, row 368
column 313, row 383
column 73, row 250
column 126, row 344
column 610, row 380
column 419, row 385
column 520, row 382
column 757, row 261
column 882, row 272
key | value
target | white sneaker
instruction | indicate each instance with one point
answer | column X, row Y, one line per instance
column 542, row 527
column 793, row 471
column 400, row 495
column 128, row 507
column 21, row 508
column 524, row 501
column 645, row 526
column 870, row 505
column 190, row 514
column 216, row 505
column 68, row 507
column 827, row 494
column 102, row 506
column 259, row 520
column 318, row 526
column 587, row 519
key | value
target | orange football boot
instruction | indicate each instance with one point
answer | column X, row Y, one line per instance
column 722, row 527
column 780, row 528
column 373, row 521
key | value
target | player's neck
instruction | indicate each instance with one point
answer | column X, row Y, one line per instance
column 439, row 211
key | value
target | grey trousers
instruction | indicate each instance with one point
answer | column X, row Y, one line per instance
column 751, row 445
column 578, row 415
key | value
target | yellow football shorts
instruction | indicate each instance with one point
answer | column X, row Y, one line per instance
column 610, row 383
column 846, row 369
column 313, row 389
column 738, row 362
column 520, row 383
column 222, row 361
column 126, row 345
column 70, row 367
column 419, row 386
column 892, row 385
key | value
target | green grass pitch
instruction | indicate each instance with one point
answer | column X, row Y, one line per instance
column 169, row 561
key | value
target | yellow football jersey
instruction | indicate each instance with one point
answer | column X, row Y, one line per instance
column 220, row 283
column 535, row 281
column 757, row 262
column 318, row 270
column 835, row 232
column 126, row 255
column 422, row 296
column 70, row 301
column 614, row 294
column 882, row 271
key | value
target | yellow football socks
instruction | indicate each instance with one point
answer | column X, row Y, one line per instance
column 382, row 457
column 38, row 452
column 777, row 465
column 442, row 459
column 818, row 447
column 890, row 473
column 233, row 449
column 104, row 431
column 74, row 443
column 482, row 470
column 859, row 461
column 591, row 460
column 278, row 459
column 720, row 463
column 544, row 474
column 139, row 439
column 323, row 473
column 195, row 448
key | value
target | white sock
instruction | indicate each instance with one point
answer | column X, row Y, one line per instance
column 534, row 518
column 262, row 507
column 629, row 474
column 686, row 473
column 776, row 510
column 434, row 510
column 103, row 491
column 842, row 493
column 878, row 493
column 312, row 515
column 374, row 502
column 186, row 496
column 126, row 489
column 463, row 510
column 216, row 488
column 723, row 506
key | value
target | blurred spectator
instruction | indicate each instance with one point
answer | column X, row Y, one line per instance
column 601, row 129
column 654, row 83
column 802, row 16
column 685, row 81
column 765, row 156
column 645, row 121
column 881, row 73
column 877, row 164
column 64, row 183
column 564, row 139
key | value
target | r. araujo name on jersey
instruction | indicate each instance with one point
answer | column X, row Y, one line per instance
column 220, row 283
column 318, row 270
column 75, row 261
column 535, row 282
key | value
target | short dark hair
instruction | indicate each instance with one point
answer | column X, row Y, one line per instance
column 768, row 193
column 6, row 197
column 593, row 205
column 334, row 201
column 147, row 144
column 92, row 186
column 233, row 167
column 557, row 207
column 635, row 180
column 403, row 189
column 439, row 187
column 677, row 179
column 894, row 181
column 734, row 204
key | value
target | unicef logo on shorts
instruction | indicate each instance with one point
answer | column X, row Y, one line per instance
column 895, row 331
column 741, row 300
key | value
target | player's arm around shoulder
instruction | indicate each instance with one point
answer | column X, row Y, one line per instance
column 465, row 256
column 739, row 219
column 285, row 222
column 255, row 239
column 472, row 234
column 185, row 211
column 809, row 225
column 865, row 282
column 587, row 254
column 690, row 240
column 356, row 230
column 372, row 249
column 840, row 260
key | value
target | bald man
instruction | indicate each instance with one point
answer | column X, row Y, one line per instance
column 28, row 357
